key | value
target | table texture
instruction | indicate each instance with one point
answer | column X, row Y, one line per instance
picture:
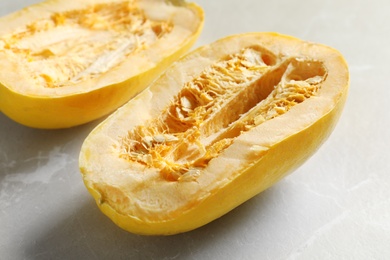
column 335, row 206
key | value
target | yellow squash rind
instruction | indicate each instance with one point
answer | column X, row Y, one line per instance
column 62, row 108
column 140, row 200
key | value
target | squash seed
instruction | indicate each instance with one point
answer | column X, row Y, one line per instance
column 228, row 98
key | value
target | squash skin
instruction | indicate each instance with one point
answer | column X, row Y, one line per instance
column 76, row 109
column 258, row 177
column 273, row 164
column 68, row 110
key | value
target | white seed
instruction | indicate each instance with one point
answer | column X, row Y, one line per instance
column 259, row 119
column 257, row 148
column 147, row 141
column 185, row 102
column 314, row 80
column 191, row 175
column 165, row 138
column 179, row 113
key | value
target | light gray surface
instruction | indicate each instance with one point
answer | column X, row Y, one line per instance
column 336, row 206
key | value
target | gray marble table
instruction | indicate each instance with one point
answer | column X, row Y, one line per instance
column 336, row 206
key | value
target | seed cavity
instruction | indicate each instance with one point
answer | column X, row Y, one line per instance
column 226, row 99
column 73, row 46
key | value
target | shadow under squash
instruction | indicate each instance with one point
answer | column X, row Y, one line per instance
column 88, row 234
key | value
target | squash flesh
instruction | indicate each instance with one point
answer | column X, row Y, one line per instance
column 151, row 175
column 208, row 113
column 78, row 45
column 77, row 48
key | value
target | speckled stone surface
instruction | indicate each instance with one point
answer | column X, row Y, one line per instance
column 336, row 206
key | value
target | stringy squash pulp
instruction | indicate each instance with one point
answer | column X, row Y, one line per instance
column 67, row 62
column 221, row 125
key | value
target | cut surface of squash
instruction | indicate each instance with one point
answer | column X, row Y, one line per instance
column 67, row 62
column 221, row 125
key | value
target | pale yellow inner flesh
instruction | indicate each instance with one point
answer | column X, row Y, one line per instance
column 70, row 47
column 228, row 98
